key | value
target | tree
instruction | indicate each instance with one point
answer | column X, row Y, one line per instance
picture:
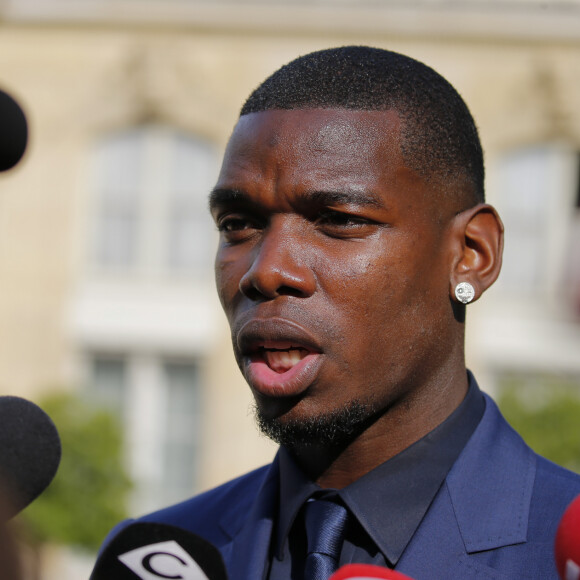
column 546, row 412
column 89, row 493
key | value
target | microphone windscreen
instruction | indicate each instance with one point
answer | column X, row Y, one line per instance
column 567, row 545
column 30, row 452
column 13, row 132
column 367, row 572
column 151, row 551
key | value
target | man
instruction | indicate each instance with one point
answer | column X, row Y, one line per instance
column 353, row 230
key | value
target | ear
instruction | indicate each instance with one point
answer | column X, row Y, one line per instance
column 478, row 236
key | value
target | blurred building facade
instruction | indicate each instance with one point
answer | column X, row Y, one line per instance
column 106, row 247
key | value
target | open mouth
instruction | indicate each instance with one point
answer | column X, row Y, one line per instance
column 279, row 357
column 281, row 360
column 282, row 368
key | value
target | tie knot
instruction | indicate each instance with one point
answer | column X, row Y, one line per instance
column 325, row 527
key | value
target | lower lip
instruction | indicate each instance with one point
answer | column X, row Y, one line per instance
column 290, row 383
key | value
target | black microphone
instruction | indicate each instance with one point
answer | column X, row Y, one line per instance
column 13, row 132
column 153, row 551
column 30, row 452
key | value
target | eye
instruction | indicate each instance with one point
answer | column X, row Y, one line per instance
column 341, row 224
column 233, row 224
column 340, row 219
column 236, row 228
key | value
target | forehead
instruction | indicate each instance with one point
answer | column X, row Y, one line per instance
column 317, row 132
column 315, row 148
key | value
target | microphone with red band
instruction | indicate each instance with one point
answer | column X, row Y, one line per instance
column 30, row 452
column 153, row 551
column 367, row 572
column 567, row 546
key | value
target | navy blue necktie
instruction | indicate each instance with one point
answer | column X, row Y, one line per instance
column 325, row 527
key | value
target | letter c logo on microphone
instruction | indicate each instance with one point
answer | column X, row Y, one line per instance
column 165, row 560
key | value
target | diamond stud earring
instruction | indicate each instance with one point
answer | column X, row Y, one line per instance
column 464, row 292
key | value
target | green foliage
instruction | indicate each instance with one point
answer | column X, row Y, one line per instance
column 546, row 412
column 89, row 493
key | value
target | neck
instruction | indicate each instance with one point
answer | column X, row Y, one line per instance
column 385, row 435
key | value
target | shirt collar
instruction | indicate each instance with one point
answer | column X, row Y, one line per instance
column 295, row 489
column 391, row 500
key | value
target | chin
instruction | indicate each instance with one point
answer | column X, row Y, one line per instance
column 331, row 429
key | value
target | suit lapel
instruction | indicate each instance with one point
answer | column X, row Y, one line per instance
column 483, row 505
column 437, row 549
column 491, row 485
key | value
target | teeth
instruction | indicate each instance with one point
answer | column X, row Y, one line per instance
column 281, row 361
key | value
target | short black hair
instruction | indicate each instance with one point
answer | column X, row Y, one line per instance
column 439, row 136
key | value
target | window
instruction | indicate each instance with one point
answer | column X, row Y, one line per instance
column 150, row 213
column 573, row 256
column 181, row 433
column 116, row 236
column 536, row 193
column 108, row 382
column 158, row 402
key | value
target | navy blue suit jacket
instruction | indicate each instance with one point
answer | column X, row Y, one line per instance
column 494, row 517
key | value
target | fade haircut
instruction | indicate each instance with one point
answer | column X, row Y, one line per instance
column 439, row 136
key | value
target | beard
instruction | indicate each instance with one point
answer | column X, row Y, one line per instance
column 335, row 429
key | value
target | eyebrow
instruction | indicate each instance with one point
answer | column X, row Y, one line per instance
column 220, row 196
column 347, row 197
column 223, row 196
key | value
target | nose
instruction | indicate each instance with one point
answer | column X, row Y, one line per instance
column 280, row 265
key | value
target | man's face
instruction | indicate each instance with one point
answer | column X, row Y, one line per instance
column 334, row 264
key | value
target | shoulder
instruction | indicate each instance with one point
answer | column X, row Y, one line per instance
column 554, row 489
column 549, row 477
column 551, row 483
column 550, row 488
column 204, row 511
column 204, row 514
column 508, row 501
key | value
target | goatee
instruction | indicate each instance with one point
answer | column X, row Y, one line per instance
column 334, row 429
